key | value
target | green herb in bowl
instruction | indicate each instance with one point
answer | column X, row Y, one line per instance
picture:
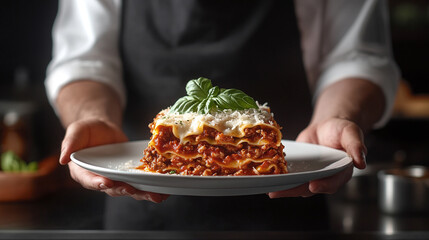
column 10, row 162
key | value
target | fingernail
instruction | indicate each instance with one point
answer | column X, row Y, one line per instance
column 61, row 157
column 164, row 197
column 128, row 192
column 102, row 186
column 149, row 198
column 272, row 196
column 315, row 189
column 363, row 156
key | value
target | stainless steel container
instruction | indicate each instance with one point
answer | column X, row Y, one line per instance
column 404, row 190
column 363, row 184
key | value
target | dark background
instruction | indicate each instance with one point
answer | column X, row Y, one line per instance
column 25, row 51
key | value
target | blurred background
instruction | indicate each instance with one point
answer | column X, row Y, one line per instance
column 29, row 126
column 25, row 51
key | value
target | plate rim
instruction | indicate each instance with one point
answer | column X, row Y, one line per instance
column 194, row 185
column 115, row 171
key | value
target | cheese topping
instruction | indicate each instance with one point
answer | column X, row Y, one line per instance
column 229, row 122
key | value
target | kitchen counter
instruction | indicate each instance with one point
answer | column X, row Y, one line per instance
column 352, row 213
column 76, row 213
column 249, row 235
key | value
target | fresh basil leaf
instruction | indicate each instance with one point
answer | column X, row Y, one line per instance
column 185, row 104
column 234, row 99
column 210, row 105
column 202, row 106
column 199, row 88
column 214, row 91
column 204, row 98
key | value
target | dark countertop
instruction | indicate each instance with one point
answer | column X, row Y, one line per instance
column 352, row 213
column 159, row 235
column 75, row 213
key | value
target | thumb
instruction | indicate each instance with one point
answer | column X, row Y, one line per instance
column 308, row 135
column 352, row 142
column 75, row 139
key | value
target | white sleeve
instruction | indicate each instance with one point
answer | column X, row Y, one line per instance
column 85, row 46
column 342, row 39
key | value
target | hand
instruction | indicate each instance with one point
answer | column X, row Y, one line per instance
column 93, row 132
column 336, row 133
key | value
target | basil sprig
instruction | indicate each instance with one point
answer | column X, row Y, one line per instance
column 10, row 162
column 203, row 98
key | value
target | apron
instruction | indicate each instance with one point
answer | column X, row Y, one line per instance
column 253, row 46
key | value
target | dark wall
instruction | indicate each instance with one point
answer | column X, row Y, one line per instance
column 25, row 51
column 25, row 38
column 404, row 140
column 410, row 38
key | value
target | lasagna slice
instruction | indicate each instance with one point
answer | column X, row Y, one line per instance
column 217, row 143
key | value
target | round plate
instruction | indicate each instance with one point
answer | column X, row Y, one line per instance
column 306, row 162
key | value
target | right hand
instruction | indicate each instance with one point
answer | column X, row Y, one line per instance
column 93, row 132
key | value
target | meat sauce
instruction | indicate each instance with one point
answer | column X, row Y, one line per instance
column 206, row 159
column 165, row 141
column 207, row 165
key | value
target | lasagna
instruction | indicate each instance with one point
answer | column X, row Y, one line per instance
column 218, row 143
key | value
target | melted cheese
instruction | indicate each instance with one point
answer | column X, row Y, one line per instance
column 229, row 122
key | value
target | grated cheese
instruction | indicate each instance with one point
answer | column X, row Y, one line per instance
column 230, row 122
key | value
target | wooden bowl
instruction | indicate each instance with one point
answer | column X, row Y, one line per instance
column 30, row 186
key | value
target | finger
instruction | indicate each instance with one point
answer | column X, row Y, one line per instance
column 149, row 196
column 300, row 191
column 331, row 184
column 307, row 137
column 352, row 141
column 93, row 181
column 89, row 180
column 75, row 139
column 89, row 133
column 124, row 189
column 121, row 190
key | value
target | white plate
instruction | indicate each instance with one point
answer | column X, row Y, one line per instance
column 305, row 162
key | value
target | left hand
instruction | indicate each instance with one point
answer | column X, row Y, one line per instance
column 94, row 132
column 336, row 133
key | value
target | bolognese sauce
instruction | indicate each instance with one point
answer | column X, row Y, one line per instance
column 228, row 156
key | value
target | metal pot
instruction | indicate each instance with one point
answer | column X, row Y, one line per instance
column 404, row 190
